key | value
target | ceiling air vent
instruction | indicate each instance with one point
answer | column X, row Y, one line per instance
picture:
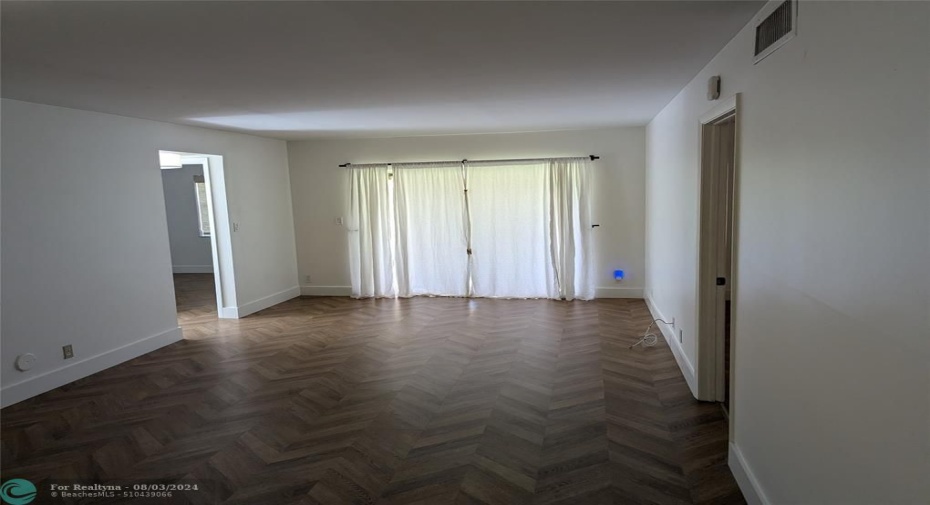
column 776, row 24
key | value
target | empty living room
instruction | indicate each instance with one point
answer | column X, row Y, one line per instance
column 465, row 252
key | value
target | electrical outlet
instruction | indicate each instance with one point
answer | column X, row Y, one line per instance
column 680, row 336
column 339, row 221
column 235, row 227
column 307, row 278
column 67, row 351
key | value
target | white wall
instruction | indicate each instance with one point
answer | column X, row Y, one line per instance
column 320, row 189
column 831, row 327
column 86, row 258
column 190, row 253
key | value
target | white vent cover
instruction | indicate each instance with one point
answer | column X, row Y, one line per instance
column 775, row 25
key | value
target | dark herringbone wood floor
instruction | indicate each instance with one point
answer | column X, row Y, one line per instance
column 426, row 400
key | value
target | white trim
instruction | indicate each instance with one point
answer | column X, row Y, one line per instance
column 745, row 479
column 326, row 291
column 267, row 301
column 709, row 349
column 619, row 293
column 308, row 290
column 725, row 106
column 33, row 386
column 687, row 370
column 223, row 268
column 192, row 269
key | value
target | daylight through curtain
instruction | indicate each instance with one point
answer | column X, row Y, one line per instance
column 510, row 230
column 429, row 213
column 518, row 229
column 370, row 221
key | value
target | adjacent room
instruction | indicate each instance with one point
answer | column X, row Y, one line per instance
column 188, row 210
column 500, row 252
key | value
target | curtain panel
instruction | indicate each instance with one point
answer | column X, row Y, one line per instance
column 370, row 223
column 509, row 209
column 570, row 228
column 430, row 230
column 518, row 229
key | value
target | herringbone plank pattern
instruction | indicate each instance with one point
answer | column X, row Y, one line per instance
column 425, row 400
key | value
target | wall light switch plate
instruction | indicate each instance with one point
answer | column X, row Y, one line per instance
column 67, row 351
column 339, row 221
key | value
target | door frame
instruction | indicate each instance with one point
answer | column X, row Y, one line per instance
column 710, row 342
column 224, row 272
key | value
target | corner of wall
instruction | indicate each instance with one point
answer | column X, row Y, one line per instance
column 604, row 292
column 746, row 480
column 264, row 302
column 687, row 369
column 34, row 386
column 325, row 291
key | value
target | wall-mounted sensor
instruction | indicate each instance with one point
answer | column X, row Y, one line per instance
column 618, row 275
column 713, row 88
column 25, row 361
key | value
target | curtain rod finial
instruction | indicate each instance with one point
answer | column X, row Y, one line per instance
column 593, row 157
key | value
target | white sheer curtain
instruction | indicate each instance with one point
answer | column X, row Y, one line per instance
column 370, row 224
column 509, row 207
column 527, row 224
column 430, row 229
column 570, row 227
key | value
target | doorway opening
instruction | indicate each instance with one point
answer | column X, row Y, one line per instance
column 716, row 253
column 199, row 236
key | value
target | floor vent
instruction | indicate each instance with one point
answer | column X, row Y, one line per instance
column 776, row 25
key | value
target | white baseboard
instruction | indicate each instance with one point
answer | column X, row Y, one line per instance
column 687, row 369
column 618, row 293
column 745, row 478
column 326, row 291
column 347, row 291
column 33, row 386
column 192, row 269
column 263, row 303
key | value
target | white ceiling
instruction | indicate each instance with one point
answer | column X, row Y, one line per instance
column 364, row 69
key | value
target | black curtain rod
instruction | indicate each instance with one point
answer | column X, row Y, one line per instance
column 592, row 156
